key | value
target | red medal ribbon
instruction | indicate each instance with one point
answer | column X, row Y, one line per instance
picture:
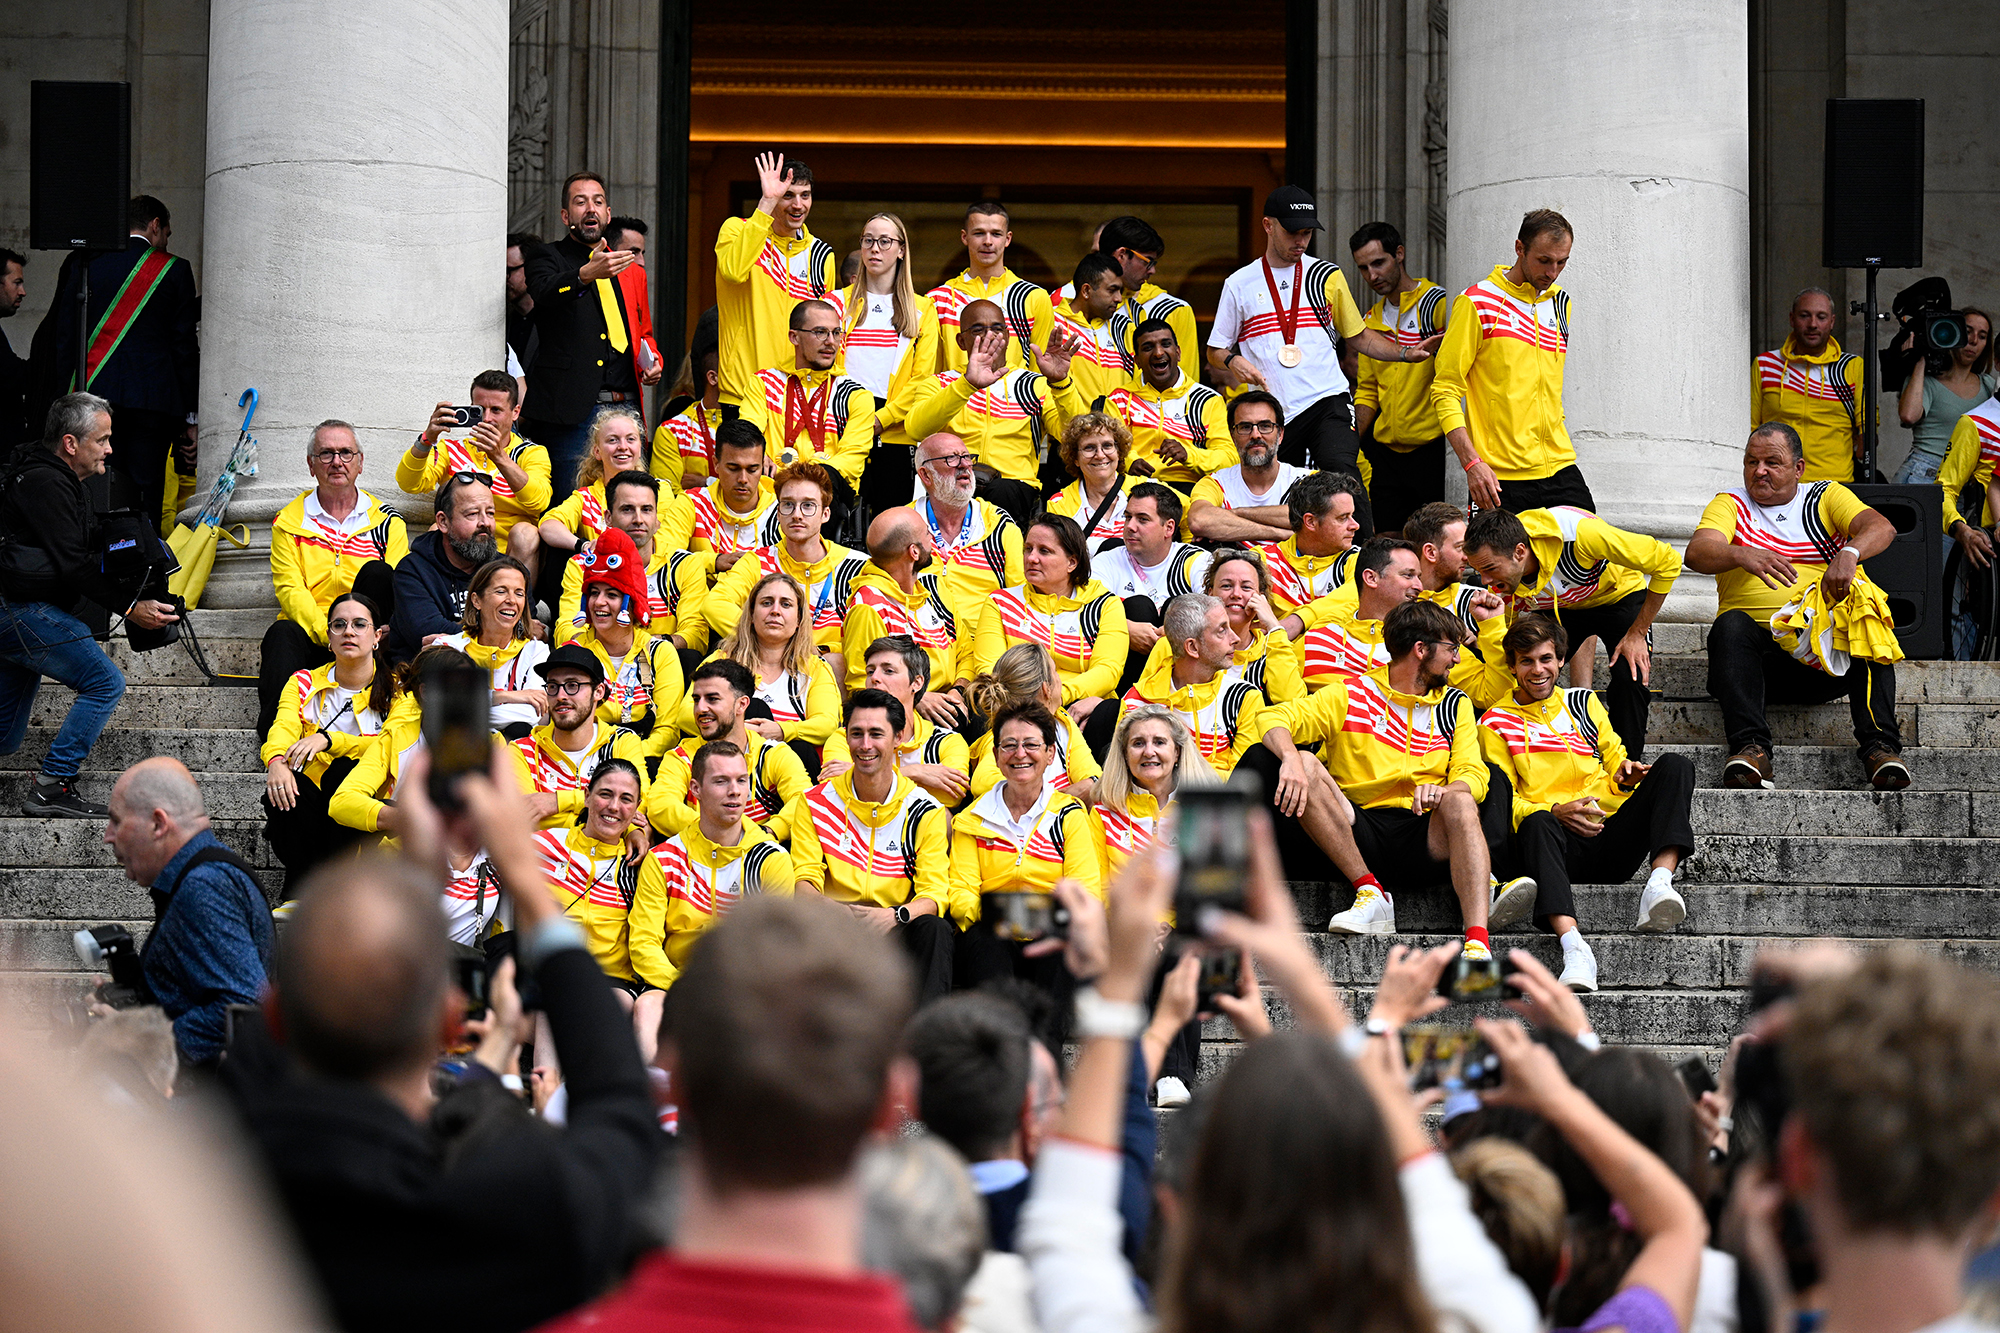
column 1287, row 326
column 808, row 414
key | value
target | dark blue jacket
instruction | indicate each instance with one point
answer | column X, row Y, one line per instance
column 210, row 947
column 430, row 596
column 157, row 366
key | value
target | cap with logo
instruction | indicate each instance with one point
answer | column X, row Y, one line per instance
column 1294, row 208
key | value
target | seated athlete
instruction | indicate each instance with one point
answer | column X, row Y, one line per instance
column 1198, row 682
column 720, row 696
column 1579, row 808
column 565, row 751
column 1063, row 608
column 1025, row 674
column 1151, row 568
column 935, row 759
column 1406, row 779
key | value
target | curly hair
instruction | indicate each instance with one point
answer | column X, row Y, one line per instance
column 1093, row 423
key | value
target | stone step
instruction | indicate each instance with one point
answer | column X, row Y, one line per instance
column 1909, row 814
column 218, row 750
column 45, row 946
column 43, row 843
column 161, row 707
column 1773, row 912
column 1950, row 726
column 171, row 665
column 1838, row 768
column 223, row 795
column 1685, row 676
column 98, row 894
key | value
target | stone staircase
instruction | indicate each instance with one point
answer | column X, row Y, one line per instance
column 1821, row 856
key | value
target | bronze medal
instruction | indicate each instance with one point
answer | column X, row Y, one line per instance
column 1289, row 355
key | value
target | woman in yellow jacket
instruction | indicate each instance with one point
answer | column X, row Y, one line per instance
column 1095, row 448
column 1026, row 673
column 889, row 330
column 1064, row 610
column 774, row 642
column 642, row 671
column 326, row 718
column 495, row 636
column 1021, row 837
column 617, row 444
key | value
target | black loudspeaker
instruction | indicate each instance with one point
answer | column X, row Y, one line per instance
column 1911, row 571
column 81, row 165
column 1874, row 190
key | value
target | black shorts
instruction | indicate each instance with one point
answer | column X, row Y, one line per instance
column 1395, row 842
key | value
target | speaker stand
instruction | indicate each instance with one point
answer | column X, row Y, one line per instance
column 1870, row 410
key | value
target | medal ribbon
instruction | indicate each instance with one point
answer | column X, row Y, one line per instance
column 1287, row 325
column 808, row 414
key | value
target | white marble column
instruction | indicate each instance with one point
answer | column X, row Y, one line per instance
column 1630, row 118
column 356, row 213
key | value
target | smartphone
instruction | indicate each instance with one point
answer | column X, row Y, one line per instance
column 1475, row 981
column 466, row 416
column 1695, row 1077
column 1213, row 834
column 458, row 729
column 1024, row 917
column 1221, row 974
column 1436, row 1054
column 471, row 976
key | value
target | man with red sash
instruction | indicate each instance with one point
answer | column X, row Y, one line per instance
column 143, row 357
column 811, row 413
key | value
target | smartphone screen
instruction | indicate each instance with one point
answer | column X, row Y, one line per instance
column 1213, row 833
column 458, row 728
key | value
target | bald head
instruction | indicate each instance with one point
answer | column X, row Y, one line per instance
column 977, row 318
column 362, row 971
column 892, row 534
column 155, row 809
column 159, row 783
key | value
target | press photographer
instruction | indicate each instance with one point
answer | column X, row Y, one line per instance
column 1947, row 356
column 52, row 557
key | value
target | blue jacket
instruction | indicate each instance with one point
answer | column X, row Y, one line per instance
column 430, row 597
column 210, row 947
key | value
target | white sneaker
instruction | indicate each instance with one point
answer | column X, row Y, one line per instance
column 1579, row 970
column 1170, row 1092
column 1372, row 914
column 1661, row 909
column 1512, row 903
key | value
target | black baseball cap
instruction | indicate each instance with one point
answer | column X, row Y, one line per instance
column 577, row 658
column 1294, row 208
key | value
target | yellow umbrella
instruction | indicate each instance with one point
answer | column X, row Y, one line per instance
column 194, row 545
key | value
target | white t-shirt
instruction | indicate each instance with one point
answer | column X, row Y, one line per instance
column 1239, row 495
column 1125, row 577
column 1246, row 320
column 518, row 674
column 466, row 916
column 338, row 708
column 874, row 347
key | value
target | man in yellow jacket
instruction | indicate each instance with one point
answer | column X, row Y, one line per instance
column 1498, row 391
column 765, row 264
column 807, row 411
column 705, row 869
column 1813, row 387
column 1402, row 806
column 873, row 840
column 1394, row 417
column 897, row 594
column 1180, row 430
column 1192, row 671
column 1028, row 311
column 519, row 468
column 1599, row 581
column 1581, row 809
column 331, row 539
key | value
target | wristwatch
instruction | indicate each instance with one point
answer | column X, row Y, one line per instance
column 1120, row 1020
column 1354, row 1040
column 903, row 914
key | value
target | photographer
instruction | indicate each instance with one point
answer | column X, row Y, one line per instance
column 1930, row 405
column 210, row 946
column 48, row 564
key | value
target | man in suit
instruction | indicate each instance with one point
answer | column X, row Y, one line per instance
column 595, row 342
column 144, row 359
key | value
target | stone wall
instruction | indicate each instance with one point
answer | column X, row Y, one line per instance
column 584, row 79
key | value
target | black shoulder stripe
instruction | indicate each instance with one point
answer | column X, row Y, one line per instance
column 1447, row 711
column 1197, row 408
column 1431, row 311
column 378, row 536
column 1232, row 704
column 1562, row 314
column 1577, row 700
column 1091, row 617
column 822, row 257
column 753, row 866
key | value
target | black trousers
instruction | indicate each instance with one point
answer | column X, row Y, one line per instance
column 1496, row 821
column 1566, row 487
column 932, row 943
column 1627, row 700
column 890, row 478
column 1183, row 1054
column 1322, row 437
column 287, row 648
column 1302, row 857
column 1403, row 481
column 983, row 958
column 306, row 836
column 140, row 443
column 1653, row 818
column 1748, row 670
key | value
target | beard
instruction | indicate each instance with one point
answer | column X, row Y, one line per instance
column 951, row 493
column 475, row 550
column 923, row 562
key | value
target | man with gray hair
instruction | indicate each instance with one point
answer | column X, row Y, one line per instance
column 210, row 945
column 922, row 1224
column 49, row 565
column 332, row 539
column 1193, row 673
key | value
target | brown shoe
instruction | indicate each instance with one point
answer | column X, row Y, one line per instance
column 1749, row 769
column 1886, row 769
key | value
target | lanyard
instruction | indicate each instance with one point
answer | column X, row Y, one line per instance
column 808, row 414
column 937, row 534
column 707, row 432
column 1288, row 325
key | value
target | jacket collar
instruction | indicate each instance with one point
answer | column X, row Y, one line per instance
column 1827, row 356
column 1522, row 291
column 169, row 878
column 993, row 812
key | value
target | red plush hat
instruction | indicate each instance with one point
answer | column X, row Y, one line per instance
column 614, row 560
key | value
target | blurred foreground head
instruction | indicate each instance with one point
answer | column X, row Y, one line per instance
column 780, row 1033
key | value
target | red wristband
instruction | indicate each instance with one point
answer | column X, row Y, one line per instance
column 1476, row 459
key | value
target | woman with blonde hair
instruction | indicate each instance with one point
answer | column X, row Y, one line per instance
column 774, row 642
column 1026, row 673
column 617, row 444
column 889, row 341
column 1094, row 450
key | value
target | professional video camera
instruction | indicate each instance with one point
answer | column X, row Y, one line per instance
column 1931, row 330
column 111, row 948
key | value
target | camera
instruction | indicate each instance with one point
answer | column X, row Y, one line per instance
column 1212, row 830
column 466, row 416
column 1475, row 981
column 1931, row 329
column 110, row 948
column 1022, row 917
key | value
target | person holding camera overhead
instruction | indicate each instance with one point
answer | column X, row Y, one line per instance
column 49, row 563
column 1932, row 403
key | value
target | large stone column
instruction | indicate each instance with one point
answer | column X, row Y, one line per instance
column 1630, row 118
column 356, row 213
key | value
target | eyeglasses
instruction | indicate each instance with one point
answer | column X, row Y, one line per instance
column 1452, row 646
column 1150, row 261
column 828, row 334
column 571, row 686
column 337, row 455
column 879, row 242
column 362, row 623
column 1098, row 447
column 950, row 461
column 1020, row 747
column 806, row 507
column 1255, row 428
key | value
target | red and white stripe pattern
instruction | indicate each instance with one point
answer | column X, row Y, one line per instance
column 1985, row 419
column 1784, row 531
column 1266, row 322
column 1777, row 374
column 926, row 625
column 1371, row 712
column 1162, row 414
column 792, row 274
column 694, row 443
column 1504, row 315
column 1336, row 651
column 1040, row 847
column 1061, row 634
column 712, row 893
column 726, row 532
column 1525, row 735
column 761, row 805
column 590, row 517
column 575, row 874
column 1099, row 346
column 949, row 301
column 358, row 544
column 461, row 455
column 550, row 774
column 1571, row 582
column 1296, row 587
column 869, row 850
column 1124, row 832
column 1210, row 726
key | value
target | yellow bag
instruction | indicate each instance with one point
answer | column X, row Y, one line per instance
column 1829, row 638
